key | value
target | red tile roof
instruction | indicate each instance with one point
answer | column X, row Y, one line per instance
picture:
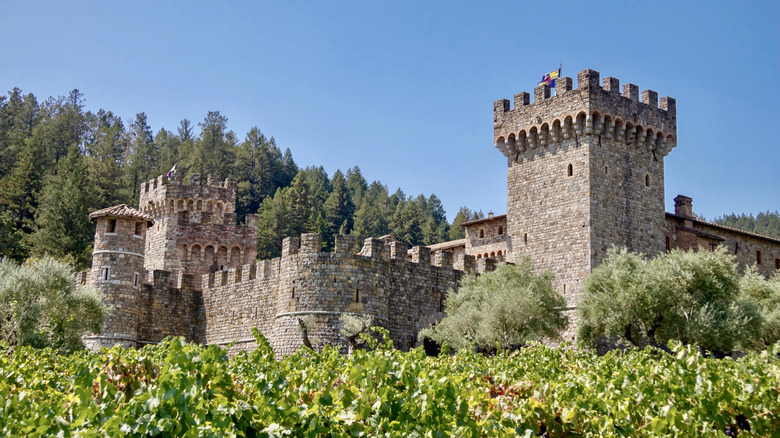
column 121, row 210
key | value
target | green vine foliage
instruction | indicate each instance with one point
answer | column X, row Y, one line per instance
column 180, row 389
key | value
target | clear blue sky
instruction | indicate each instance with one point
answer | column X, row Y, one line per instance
column 404, row 89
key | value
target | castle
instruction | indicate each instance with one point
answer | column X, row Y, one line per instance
column 584, row 172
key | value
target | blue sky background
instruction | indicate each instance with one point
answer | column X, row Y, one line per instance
column 404, row 89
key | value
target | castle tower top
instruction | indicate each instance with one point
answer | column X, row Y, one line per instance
column 587, row 109
column 122, row 211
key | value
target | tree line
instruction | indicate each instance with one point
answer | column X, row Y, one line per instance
column 59, row 161
column 765, row 224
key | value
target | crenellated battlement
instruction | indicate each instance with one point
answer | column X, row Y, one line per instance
column 306, row 281
column 167, row 197
column 628, row 118
column 195, row 226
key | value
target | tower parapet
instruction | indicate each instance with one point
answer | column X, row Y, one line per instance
column 196, row 230
column 589, row 109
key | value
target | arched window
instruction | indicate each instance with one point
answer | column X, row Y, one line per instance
column 647, row 180
column 570, row 171
column 606, row 170
column 758, row 257
column 479, row 256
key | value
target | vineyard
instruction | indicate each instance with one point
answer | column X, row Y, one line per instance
column 180, row 389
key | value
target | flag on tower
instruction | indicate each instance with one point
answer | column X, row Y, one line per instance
column 172, row 171
column 550, row 78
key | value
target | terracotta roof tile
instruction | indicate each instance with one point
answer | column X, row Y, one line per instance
column 448, row 244
column 723, row 227
column 121, row 210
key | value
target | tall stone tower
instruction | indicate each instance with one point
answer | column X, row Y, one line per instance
column 195, row 229
column 118, row 270
column 585, row 171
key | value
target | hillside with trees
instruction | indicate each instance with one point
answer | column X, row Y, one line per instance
column 59, row 161
column 766, row 224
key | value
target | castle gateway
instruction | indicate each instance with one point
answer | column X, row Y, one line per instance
column 584, row 172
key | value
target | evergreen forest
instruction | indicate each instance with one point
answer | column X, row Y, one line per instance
column 59, row 162
column 765, row 224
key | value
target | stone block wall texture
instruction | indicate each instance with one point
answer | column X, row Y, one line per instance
column 486, row 238
column 195, row 230
column 118, row 270
column 585, row 171
column 750, row 249
column 305, row 282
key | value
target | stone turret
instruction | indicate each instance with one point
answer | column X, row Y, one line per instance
column 118, row 270
column 584, row 172
column 196, row 230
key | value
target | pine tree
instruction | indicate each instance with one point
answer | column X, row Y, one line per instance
column 272, row 225
column 62, row 226
column 406, row 224
column 456, row 231
column 356, row 185
column 212, row 151
column 338, row 209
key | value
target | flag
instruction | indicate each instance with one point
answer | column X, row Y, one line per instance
column 172, row 171
column 550, row 78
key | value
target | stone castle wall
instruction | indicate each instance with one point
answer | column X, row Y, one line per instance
column 195, row 229
column 305, row 282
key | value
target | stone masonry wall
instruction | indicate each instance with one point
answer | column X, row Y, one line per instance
column 492, row 244
column 118, row 270
column 306, row 282
column 195, row 229
column 688, row 233
column 168, row 310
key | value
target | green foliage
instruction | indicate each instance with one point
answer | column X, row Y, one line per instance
column 62, row 225
column 40, row 305
column 764, row 295
column 506, row 308
column 692, row 297
column 179, row 389
column 765, row 224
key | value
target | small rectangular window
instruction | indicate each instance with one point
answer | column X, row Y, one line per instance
column 136, row 279
column 105, row 274
column 139, row 228
column 111, row 226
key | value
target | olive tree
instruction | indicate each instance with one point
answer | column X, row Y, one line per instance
column 764, row 295
column 693, row 297
column 41, row 306
column 505, row 308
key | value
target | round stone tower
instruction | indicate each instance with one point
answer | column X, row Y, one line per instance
column 118, row 270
